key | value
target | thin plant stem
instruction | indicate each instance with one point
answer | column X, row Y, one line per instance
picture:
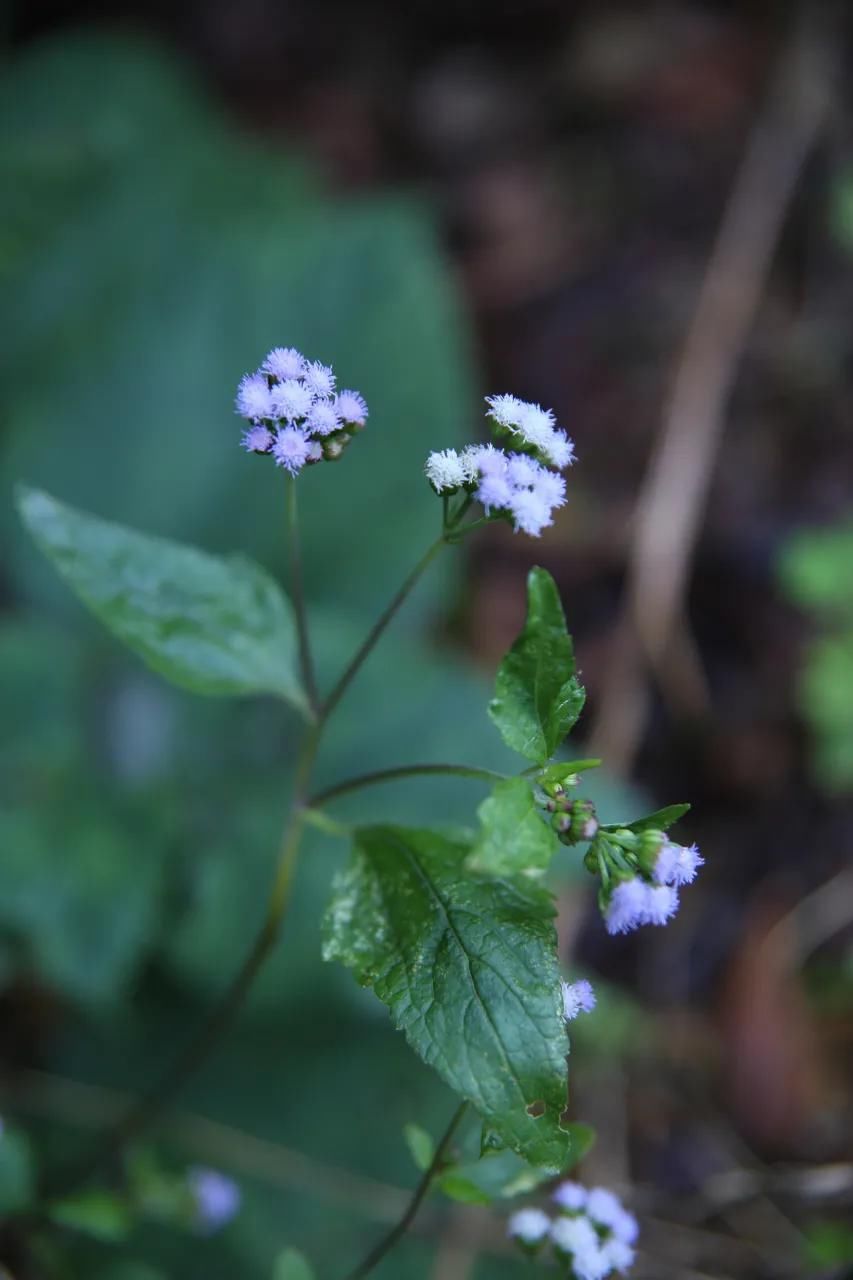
column 195, row 1052
column 403, row 771
column 387, row 1243
column 306, row 663
column 376, row 630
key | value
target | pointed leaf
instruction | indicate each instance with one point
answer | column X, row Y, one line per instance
column 515, row 836
column 210, row 625
column 467, row 966
column 660, row 820
column 537, row 696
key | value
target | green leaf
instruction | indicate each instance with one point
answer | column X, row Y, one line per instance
column 100, row 1214
column 210, row 625
column 420, row 1144
column 292, row 1265
column 515, row 836
column 537, row 696
column 562, row 770
column 660, row 820
column 468, row 967
column 17, row 1171
column 496, row 1175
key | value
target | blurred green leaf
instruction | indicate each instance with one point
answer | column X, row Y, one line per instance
column 829, row 1244
column 420, row 1144
column 815, row 570
column 292, row 1265
column 100, row 1214
column 515, row 836
column 468, row 967
column 496, row 1175
column 210, row 625
column 17, row 1170
column 537, row 696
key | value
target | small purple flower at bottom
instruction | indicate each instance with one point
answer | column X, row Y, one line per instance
column 529, row 1226
column 661, row 904
column 217, row 1198
column 257, row 439
column 571, row 1196
column 578, row 997
column 627, row 906
column 291, row 449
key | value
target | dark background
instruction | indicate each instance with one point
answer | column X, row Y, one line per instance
column 444, row 201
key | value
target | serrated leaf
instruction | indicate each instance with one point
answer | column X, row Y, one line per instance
column 292, row 1265
column 514, row 835
column 467, row 966
column 99, row 1214
column 537, row 696
column 660, row 820
column 208, row 624
column 420, row 1144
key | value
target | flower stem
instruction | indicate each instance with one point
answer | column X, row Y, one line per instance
column 376, row 630
column 403, row 771
column 306, row 663
column 387, row 1243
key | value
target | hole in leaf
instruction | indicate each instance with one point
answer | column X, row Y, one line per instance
column 536, row 1109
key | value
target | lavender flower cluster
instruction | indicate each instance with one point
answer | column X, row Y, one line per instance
column 294, row 411
column 593, row 1236
column 524, row 485
column 651, row 896
column 578, row 997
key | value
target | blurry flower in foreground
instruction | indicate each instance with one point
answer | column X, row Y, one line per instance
column 592, row 1235
column 529, row 1227
column 294, row 413
column 217, row 1198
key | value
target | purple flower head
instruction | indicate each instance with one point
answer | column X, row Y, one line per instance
column 661, row 904
column 571, row 1196
column 627, row 907
column 606, row 1210
column 530, row 1226
column 550, row 487
column 322, row 418
column 494, row 492
column 284, row 362
column 677, row 864
column 257, row 439
column 576, row 1238
column 488, row 459
column 253, row 397
column 578, row 997
column 351, row 407
column 217, row 1198
column 522, row 471
column 505, row 410
column 530, row 513
column 291, row 399
column 559, row 450
column 618, row 1255
column 445, row 471
column 319, row 377
column 291, row 449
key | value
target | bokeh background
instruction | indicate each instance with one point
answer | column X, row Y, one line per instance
column 442, row 200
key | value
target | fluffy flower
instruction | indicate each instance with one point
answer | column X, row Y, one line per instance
column 257, row 439
column 505, row 410
column 618, row 1255
column 445, row 471
column 607, row 1210
column 351, row 407
column 487, row 459
column 494, row 492
column 661, row 904
column 284, row 362
column 529, row 512
column 571, row 1196
column 253, row 398
column 529, row 1225
column 578, row 997
column 677, row 864
column 319, row 377
column 291, row 399
column 522, row 471
column 322, row 418
column 627, row 907
column 577, row 1237
column 550, row 487
column 558, row 450
column 217, row 1198
column 291, row 449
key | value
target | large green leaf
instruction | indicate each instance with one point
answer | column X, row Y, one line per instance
column 537, row 696
column 514, row 836
column 468, row 967
column 210, row 625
